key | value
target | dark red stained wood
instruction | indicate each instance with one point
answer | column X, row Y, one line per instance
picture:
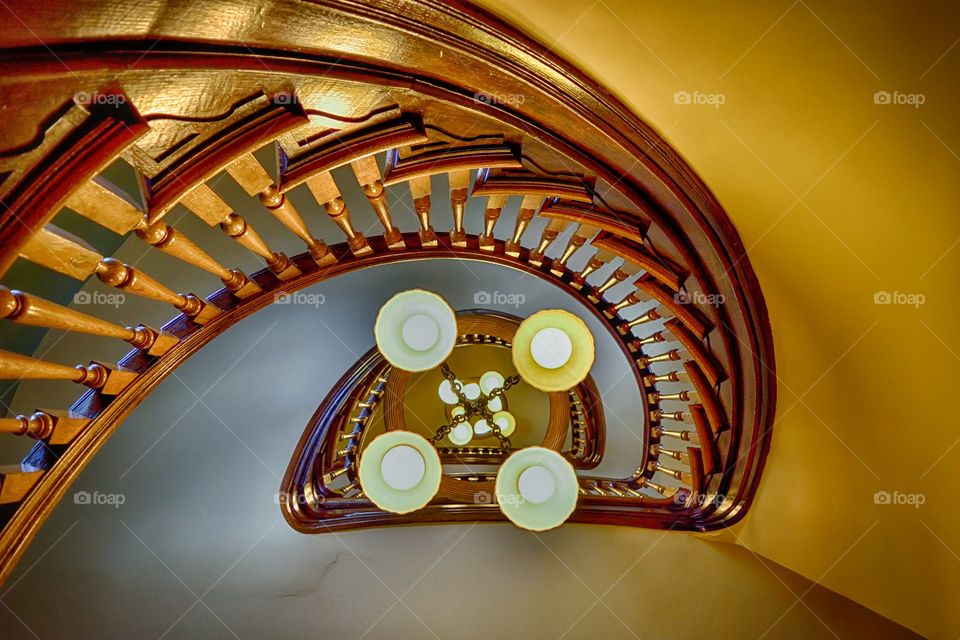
column 715, row 415
column 43, row 189
column 619, row 223
column 342, row 149
column 695, row 347
column 525, row 183
column 640, row 256
column 689, row 315
column 696, row 472
column 706, row 439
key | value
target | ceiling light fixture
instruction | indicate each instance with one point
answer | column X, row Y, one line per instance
column 536, row 487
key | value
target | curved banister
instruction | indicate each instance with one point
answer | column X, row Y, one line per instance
column 573, row 155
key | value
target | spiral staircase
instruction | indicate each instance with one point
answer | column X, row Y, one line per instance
column 440, row 104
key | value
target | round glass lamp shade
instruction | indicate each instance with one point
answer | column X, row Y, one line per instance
column 415, row 330
column 553, row 350
column 537, row 489
column 400, row 471
column 506, row 422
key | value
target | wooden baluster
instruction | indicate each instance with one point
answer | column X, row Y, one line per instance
column 24, row 308
column 459, row 188
column 110, row 379
column 660, row 432
column 672, row 376
column 667, row 492
column 620, row 274
column 553, row 229
column 653, row 338
column 420, row 191
column 673, row 354
column 679, row 396
column 103, row 203
column 658, row 450
column 677, row 474
column 528, row 207
column 649, row 316
column 596, row 261
column 325, row 190
column 55, row 427
column 659, row 414
column 580, row 235
column 368, row 175
column 58, row 250
column 250, row 175
column 16, row 481
column 495, row 204
column 209, row 207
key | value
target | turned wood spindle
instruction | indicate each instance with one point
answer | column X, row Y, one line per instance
column 658, row 450
column 528, row 208
column 109, row 379
column 459, row 189
column 495, row 204
column 55, row 427
column 24, row 308
column 103, row 203
column 673, row 354
column 683, row 476
column 58, row 250
column 659, row 432
column 204, row 203
column 672, row 376
column 326, row 193
column 665, row 491
column 659, row 414
column 420, row 191
column 550, row 233
column 368, row 175
column 581, row 235
column 250, row 174
column 648, row 316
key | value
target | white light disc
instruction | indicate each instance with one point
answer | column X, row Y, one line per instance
column 551, row 348
column 461, row 434
column 490, row 381
column 536, row 484
column 447, row 394
column 421, row 332
column 481, row 428
column 402, row 467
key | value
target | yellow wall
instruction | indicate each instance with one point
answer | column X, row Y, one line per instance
column 837, row 198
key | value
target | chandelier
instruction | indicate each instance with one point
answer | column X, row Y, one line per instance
column 552, row 350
